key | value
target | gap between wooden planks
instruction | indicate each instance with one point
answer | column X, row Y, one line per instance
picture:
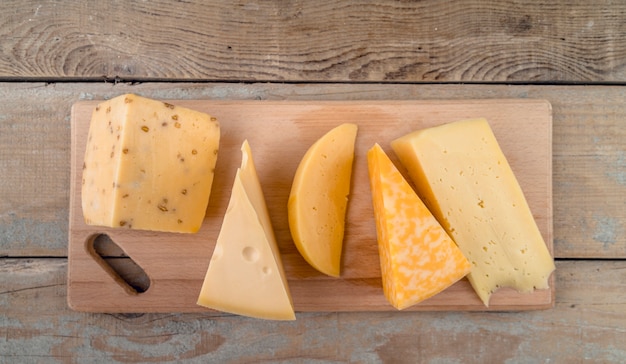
column 279, row 133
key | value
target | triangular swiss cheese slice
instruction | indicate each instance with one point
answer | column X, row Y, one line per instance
column 245, row 274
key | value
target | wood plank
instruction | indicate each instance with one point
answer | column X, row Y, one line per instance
column 382, row 41
column 279, row 133
column 587, row 323
column 588, row 146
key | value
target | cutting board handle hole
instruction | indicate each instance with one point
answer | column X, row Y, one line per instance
column 121, row 267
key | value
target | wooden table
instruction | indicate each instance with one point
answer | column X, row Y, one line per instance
column 54, row 53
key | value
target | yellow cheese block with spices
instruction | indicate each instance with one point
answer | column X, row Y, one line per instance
column 417, row 257
column 464, row 178
column 148, row 165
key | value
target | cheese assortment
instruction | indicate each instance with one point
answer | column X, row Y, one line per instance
column 417, row 257
column 464, row 178
column 245, row 274
column 319, row 197
column 148, row 165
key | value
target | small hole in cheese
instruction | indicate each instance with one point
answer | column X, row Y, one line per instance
column 250, row 254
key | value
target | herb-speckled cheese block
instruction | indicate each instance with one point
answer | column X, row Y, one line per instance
column 148, row 165
column 245, row 274
column 464, row 178
column 417, row 257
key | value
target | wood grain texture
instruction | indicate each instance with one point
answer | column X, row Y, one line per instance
column 587, row 325
column 354, row 48
column 589, row 142
column 279, row 133
column 382, row 41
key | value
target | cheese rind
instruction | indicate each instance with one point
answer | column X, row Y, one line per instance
column 319, row 197
column 464, row 178
column 417, row 257
column 148, row 165
column 245, row 274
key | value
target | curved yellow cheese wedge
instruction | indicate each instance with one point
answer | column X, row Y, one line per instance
column 417, row 257
column 464, row 178
column 245, row 274
column 319, row 196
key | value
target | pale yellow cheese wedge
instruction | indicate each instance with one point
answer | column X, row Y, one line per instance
column 148, row 165
column 245, row 274
column 417, row 257
column 319, row 197
column 465, row 179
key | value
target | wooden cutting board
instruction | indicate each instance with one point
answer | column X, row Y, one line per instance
column 279, row 133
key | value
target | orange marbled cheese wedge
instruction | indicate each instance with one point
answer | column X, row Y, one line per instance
column 417, row 257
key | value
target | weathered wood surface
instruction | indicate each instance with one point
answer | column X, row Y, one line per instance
column 587, row 325
column 381, row 41
column 366, row 51
column 589, row 147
